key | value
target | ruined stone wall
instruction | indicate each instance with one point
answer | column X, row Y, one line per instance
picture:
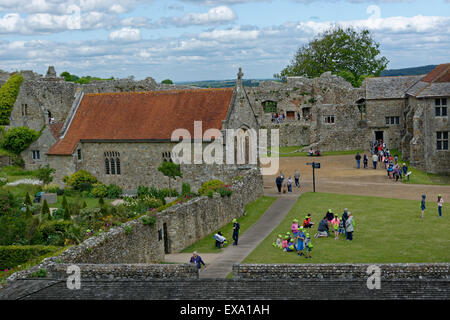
column 377, row 111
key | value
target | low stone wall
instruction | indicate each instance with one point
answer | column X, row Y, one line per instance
column 395, row 271
column 119, row 272
column 175, row 228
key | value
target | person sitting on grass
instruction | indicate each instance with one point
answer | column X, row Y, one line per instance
column 322, row 230
column 309, row 246
column 279, row 242
column 307, row 223
column 300, row 243
column 220, row 240
column 285, row 243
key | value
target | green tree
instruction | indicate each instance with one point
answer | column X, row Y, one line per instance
column 45, row 174
column 347, row 52
column 170, row 170
column 167, row 81
column 45, row 211
column 8, row 95
column 18, row 139
column 66, row 215
column 27, row 201
column 64, row 202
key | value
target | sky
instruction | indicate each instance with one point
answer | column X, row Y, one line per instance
column 191, row 40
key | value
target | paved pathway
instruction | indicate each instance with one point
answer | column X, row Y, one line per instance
column 222, row 264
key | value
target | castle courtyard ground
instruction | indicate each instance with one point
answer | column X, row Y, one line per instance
column 338, row 174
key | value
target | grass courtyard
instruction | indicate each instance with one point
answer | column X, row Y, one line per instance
column 387, row 231
column 254, row 211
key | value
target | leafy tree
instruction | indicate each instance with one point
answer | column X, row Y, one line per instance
column 45, row 174
column 347, row 52
column 8, row 95
column 18, row 139
column 66, row 215
column 78, row 178
column 170, row 170
column 64, row 203
column 27, row 201
column 167, row 81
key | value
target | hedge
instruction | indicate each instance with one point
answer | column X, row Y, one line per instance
column 12, row 256
column 8, row 95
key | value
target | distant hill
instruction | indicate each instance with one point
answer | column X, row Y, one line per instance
column 223, row 83
column 407, row 71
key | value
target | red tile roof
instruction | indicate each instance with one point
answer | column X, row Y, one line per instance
column 152, row 115
column 439, row 74
column 55, row 128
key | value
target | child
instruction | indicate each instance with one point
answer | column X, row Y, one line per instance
column 422, row 205
column 294, row 227
column 308, row 246
column 335, row 224
column 440, row 202
column 341, row 227
column 279, row 242
column 300, row 243
column 285, row 243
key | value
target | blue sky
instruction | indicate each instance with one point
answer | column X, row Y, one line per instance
column 206, row 39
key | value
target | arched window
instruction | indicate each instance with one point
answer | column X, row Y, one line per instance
column 107, row 165
column 118, row 166
column 113, row 166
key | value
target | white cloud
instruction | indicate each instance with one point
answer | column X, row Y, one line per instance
column 213, row 16
column 230, row 34
column 125, row 35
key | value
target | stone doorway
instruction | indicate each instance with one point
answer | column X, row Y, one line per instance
column 166, row 239
column 379, row 135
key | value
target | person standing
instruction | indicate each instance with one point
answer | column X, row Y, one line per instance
column 197, row 260
column 236, row 228
column 365, row 161
column 422, row 205
column 289, row 184
column 279, row 183
column 349, row 227
column 440, row 202
column 297, row 178
column 374, row 160
column 344, row 219
column 358, row 160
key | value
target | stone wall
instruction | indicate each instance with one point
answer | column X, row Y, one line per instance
column 394, row 271
column 186, row 223
column 139, row 162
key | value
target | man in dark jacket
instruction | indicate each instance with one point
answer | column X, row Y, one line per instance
column 279, row 182
column 197, row 260
column 322, row 230
column 236, row 228
column 358, row 160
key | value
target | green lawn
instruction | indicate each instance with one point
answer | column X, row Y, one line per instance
column 387, row 231
column 254, row 211
column 289, row 152
column 420, row 177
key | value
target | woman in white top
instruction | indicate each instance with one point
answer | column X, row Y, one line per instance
column 440, row 202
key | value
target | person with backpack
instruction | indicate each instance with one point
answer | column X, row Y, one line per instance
column 365, row 161
column 236, row 228
column 279, row 183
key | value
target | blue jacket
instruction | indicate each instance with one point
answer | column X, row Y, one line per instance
column 198, row 261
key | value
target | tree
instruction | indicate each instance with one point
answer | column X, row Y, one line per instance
column 27, row 201
column 8, row 95
column 170, row 170
column 45, row 211
column 45, row 174
column 18, row 139
column 167, row 81
column 346, row 52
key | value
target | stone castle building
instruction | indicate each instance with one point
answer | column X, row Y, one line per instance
column 127, row 122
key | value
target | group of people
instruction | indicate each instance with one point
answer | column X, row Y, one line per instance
column 298, row 239
column 331, row 223
column 316, row 153
column 381, row 154
column 440, row 203
column 285, row 185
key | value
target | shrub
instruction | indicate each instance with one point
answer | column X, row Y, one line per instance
column 143, row 191
column 150, row 202
column 45, row 174
column 45, row 211
column 8, row 95
column 148, row 220
column 76, row 179
column 18, row 139
column 99, row 190
column 12, row 256
column 211, row 185
column 185, row 189
column 86, row 187
column 128, row 229
column 58, row 214
column 114, row 191
column 55, row 232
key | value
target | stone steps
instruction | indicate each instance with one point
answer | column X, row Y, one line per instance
column 231, row 289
